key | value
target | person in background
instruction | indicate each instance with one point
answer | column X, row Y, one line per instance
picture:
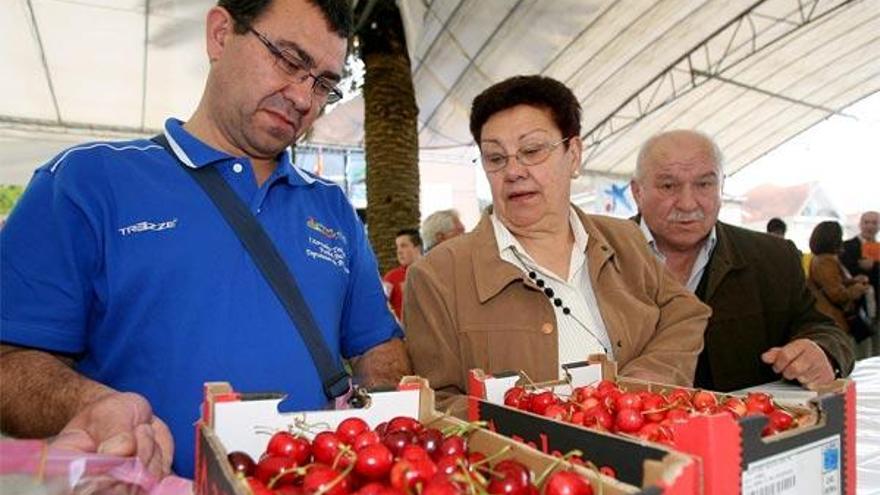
column 837, row 293
column 764, row 323
column 124, row 290
column 775, row 226
column 409, row 249
column 440, row 226
column 861, row 256
column 539, row 283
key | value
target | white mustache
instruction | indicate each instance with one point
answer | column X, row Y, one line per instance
column 686, row 216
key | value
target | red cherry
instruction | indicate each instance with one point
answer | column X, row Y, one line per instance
column 257, row 487
column 589, row 403
column 704, row 401
column 781, row 420
column 373, row 461
column 403, row 423
column 350, row 428
column 430, row 439
column 556, row 411
column 604, row 387
column 629, row 400
column 453, row 446
column 654, row 407
column 368, row 437
column 513, row 396
column 288, row 490
column 608, row 471
column 378, row 488
column 677, row 414
column 543, row 400
column 580, row 394
column 628, row 421
column 271, row 466
column 287, row 444
column 599, row 417
column 448, row 465
column 405, row 474
column 326, row 480
column 441, row 485
column 326, row 447
column 680, row 397
column 414, row 452
column 242, row 464
column 567, row 483
column 759, row 402
column 510, row 478
column 397, row 440
column 736, row 406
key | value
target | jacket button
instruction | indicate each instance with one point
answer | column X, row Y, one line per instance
column 547, row 328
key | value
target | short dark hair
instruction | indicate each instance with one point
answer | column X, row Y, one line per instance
column 413, row 235
column 535, row 90
column 777, row 226
column 826, row 238
column 338, row 13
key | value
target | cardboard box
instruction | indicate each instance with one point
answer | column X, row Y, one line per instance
column 733, row 457
column 230, row 421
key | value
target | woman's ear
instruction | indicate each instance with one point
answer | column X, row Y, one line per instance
column 575, row 148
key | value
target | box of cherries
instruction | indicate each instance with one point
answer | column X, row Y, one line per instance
column 396, row 444
column 742, row 443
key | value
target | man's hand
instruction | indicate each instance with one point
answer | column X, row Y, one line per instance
column 383, row 365
column 120, row 424
column 802, row 360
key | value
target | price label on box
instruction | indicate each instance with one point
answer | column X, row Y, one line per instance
column 811, row 468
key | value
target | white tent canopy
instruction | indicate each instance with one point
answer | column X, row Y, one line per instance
column 751, row 73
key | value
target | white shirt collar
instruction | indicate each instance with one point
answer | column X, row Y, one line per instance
column 507, row 241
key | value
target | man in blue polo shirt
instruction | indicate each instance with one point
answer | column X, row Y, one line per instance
column 124, row 289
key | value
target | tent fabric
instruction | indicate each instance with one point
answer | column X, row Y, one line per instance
column 752, row 74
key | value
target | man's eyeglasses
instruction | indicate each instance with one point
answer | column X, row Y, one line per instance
column 296, row 68
column 528, row 155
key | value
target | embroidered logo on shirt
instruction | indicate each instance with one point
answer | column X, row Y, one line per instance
column 335, row 255
column 324, row 230
column 148, row 226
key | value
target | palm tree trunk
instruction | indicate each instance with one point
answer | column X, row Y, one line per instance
column 390, row 131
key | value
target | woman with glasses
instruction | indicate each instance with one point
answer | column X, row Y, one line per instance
column 539, row 283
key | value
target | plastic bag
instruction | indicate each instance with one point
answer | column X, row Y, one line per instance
column 32, row 467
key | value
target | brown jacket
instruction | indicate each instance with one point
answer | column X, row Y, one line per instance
column 835, row 291
column 465, row 307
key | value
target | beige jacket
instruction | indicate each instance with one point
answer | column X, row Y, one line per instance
column 465, row 307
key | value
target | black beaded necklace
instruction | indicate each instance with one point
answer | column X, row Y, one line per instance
column 557, row 301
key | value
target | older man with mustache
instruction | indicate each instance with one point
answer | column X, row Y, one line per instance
column 764, row 322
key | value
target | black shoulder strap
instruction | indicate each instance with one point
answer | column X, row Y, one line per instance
column 264, row 254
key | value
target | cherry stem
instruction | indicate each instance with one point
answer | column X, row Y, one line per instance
column 301, row 425
column 461, row 430
column 299, row 471
column 492, row 457
column 329, row 486
column 556, row 463
column 344, row 450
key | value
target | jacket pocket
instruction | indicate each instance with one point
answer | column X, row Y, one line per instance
column 500, row 347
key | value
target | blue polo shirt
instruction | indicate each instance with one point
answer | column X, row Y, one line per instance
column 115, row 254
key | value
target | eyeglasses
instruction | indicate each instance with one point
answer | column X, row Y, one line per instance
column 298, row 69
column 528, row 155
